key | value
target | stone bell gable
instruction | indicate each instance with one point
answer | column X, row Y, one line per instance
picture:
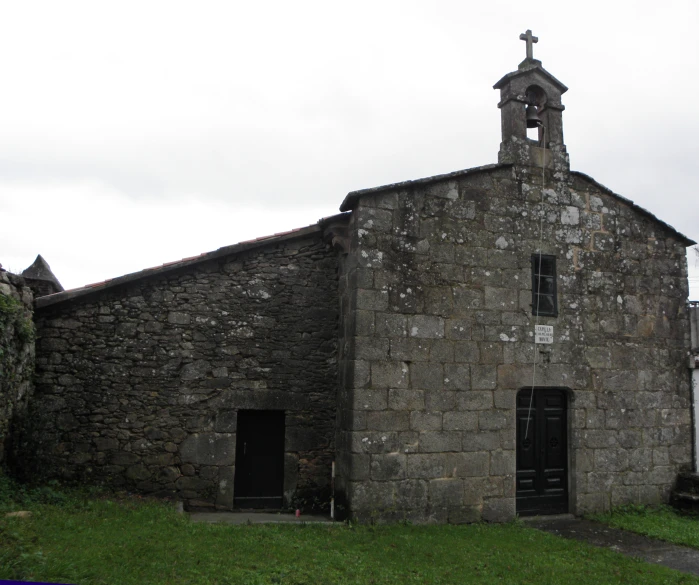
column 437, row 418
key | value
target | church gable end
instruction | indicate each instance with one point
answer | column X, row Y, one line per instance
column 439, row 419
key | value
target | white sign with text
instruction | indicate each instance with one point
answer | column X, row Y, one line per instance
column 543, row 333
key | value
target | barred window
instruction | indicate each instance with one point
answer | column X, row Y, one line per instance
column 544, row 285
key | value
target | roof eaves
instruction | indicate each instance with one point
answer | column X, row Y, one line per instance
column 687, row 241
column 352, row 197
column 562, row 87
column 167, row 267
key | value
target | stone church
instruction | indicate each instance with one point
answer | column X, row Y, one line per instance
column 507, row 339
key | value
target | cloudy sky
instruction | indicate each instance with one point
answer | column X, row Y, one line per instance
column 136, row 133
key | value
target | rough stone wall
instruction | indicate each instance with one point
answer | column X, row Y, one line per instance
column 439, row 311
column 138, row 386
column 16, row 353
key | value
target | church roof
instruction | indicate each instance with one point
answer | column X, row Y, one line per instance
column 352, row 198
column 349, row 203
column 185, row 262
column 525, row 68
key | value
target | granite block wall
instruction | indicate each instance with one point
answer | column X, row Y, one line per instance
column 438, row 340
column 16, row 355
column 138, row 386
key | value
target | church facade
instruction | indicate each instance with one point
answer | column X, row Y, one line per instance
column 509, row 339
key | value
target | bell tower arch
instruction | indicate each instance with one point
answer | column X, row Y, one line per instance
column 531, row 98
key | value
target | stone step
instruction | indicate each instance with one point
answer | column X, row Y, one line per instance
column 688, row 501
column 687, row 482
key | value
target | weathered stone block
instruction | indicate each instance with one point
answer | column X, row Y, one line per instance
column 464, row 515
column 491, row 420
column 208, row 449
column 474, row 400
column 439, row 441
column 369, row 399
column 388, row 467
column 446, row 492
column 411, row 494
column 426, row 466
column 502, row 463
column 377, row 220
column 483, row 377
column 224, row 493
column 467, row 464
column 177, row 318
column 124, row 458
column 440, row 400
column 413, row 350
column 389, row 375
column 498, row 510
column 426, row 421
column 425, row 327
column 391, row 325
column 457, row 377
column 138, row 472
column 460, row 421
column 441, row 350
column 106, row 443
column 406, row 399
column 372, row 300
column 427, row 376
column 501, row 299
column 388, row 420
column 370, row 348
column 466, row 352
column 458, row 329
column 480, row 441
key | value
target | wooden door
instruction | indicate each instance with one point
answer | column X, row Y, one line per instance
column 259, row 459
column 542, row 452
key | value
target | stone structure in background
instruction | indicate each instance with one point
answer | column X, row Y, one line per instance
column 40, row 278
column 397, row 339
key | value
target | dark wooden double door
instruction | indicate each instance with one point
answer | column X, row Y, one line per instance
column 542, row 452
column 259, row 459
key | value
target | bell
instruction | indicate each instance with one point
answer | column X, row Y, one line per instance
column 533, row 120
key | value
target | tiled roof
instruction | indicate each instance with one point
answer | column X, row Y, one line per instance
column 177, row 264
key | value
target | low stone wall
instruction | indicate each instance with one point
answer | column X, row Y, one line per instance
column 138, row 386
column 16, row 353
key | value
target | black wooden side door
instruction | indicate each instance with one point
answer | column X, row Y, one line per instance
column 542, row 452
column 259, row 459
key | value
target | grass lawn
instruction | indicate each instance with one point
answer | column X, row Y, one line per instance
column 75, row 538
column 662, row 522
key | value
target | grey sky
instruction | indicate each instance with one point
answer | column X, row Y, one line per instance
column 136, row 133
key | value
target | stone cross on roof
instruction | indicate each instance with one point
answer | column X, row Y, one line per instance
column 531, row 39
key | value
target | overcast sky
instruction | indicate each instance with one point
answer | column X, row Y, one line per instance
column 137, row 133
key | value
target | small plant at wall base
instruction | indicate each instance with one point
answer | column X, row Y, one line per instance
column 12, row 314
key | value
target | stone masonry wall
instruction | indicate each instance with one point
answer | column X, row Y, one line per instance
column 439, row 339
column 16, row 353
column 138, row 386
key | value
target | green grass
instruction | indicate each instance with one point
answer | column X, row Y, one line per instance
column 661, row 522
column 81, row 538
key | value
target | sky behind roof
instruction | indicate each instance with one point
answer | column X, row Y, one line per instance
column 137, row 133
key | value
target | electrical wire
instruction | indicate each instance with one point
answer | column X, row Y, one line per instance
column 538, row 278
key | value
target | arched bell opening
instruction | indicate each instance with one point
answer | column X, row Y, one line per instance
column 535, row 103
